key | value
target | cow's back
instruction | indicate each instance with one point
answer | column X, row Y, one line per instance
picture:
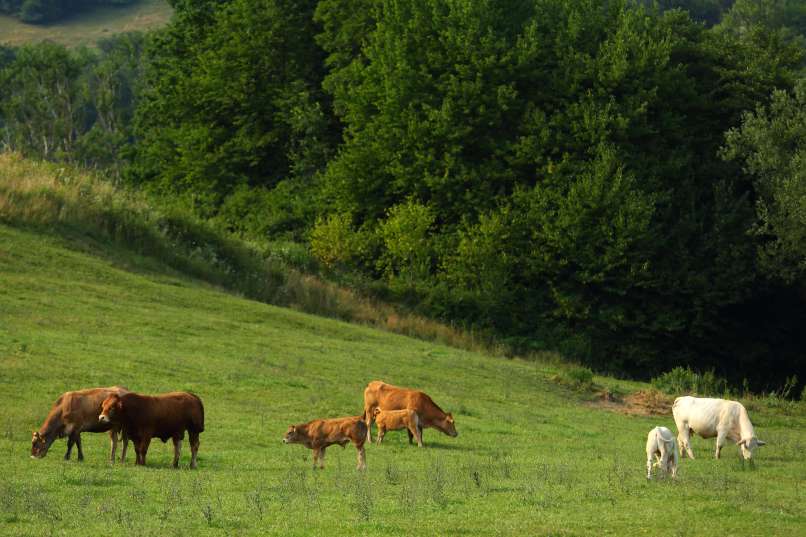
column 164, row 415
column 704, row 414
column 80, row 408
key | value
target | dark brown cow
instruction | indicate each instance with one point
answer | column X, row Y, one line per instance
column 74, row 413
column 378, row 394
column 319, row 434
column 165, row 416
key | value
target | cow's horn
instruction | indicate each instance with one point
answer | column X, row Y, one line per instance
column 761, row 442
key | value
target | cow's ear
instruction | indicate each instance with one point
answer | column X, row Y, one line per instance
column 741, row 442
column 119, row 405
column 293, row 428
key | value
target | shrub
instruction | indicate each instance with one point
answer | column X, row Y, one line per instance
column 686, row 381
column 331, row 240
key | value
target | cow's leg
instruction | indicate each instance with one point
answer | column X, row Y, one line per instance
column 368, row 410
column 124, row 439
column 411, row 436
column 418, row 434
column 322, row 458
column 69, row 447
column 177, row 450
column 649, row 467
column 381, row 434
column 113, row 441
column 194, row 448
column 362, row 458
column 720, row 441
column 420, row 431
column 142, row 449
column 683, row 440
column 78, row 445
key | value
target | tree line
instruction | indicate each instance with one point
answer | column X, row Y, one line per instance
column 622, row 181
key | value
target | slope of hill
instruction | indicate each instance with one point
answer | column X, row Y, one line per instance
column 87, row 27
column 531, row 457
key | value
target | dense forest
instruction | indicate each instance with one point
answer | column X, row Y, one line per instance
column 621, row 181
column 44, row 11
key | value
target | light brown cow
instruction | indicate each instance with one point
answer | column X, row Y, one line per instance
column 393, row 420
column 165, row 416
column 378, row 394
column 319, row 434
column 74, row 413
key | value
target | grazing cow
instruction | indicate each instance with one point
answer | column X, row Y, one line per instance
column 660, row 443
column 165, row 416
column 710, row 418
column 392, row 420
column 378, row 394
column 319, row 434
column 74, row 413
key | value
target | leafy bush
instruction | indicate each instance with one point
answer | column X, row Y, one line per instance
column 331, row 240
column 577, row 377
column 681, row 381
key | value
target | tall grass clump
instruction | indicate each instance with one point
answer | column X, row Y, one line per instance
column 74, row 202
column 682, row 380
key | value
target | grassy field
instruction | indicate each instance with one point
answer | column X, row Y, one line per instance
column 532, row 458
column 85, row 28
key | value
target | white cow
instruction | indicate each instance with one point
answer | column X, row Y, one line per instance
column 660, row 444
column 710, row 418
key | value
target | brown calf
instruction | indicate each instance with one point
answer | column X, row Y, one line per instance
column 74, row 413
column 378, row 394
column 319, row 434
column 165, row 416
column 392, row 420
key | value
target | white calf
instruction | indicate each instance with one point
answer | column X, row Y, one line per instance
column 660, row 444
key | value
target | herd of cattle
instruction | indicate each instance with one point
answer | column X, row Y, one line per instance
column 139, row 418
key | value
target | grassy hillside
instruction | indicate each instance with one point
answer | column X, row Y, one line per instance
column 87, row 27
column 531, row 459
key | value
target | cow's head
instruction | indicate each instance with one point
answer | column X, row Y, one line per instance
column 448, row 426
column 110, row 408
column 292, row 435
column 376, row 412
column 748, row 445
column 40, row 445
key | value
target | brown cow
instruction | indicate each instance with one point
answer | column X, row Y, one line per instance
column 378, row 394
column 74, row 413
column 165, row 416
column 392, row 420
column 319, row 434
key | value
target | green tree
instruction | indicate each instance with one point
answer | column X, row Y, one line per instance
column 232, row 100
column 771, row 146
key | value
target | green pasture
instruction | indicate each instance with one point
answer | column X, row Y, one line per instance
column 87, row 27
column 532, row 457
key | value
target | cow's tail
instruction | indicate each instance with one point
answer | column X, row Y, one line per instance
column 361, row 428
column 198, row 417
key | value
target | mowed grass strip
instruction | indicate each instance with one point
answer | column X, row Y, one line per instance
column 531, row 457
column 88, row 26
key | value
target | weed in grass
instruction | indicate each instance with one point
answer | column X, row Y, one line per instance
column 408, row 496
column 436, row 481
column 475, row 475
column 207, row 512
column 257, row 500
column 362, row 498
column 392, row 474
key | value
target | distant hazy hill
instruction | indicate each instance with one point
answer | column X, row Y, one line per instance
column 100, row 19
